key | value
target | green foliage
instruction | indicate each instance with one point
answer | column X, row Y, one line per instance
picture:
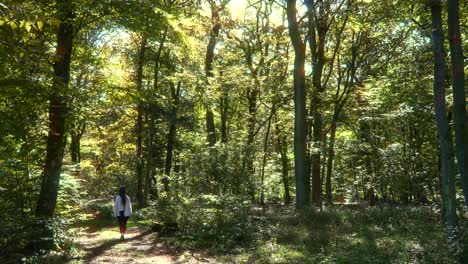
column 386, row 143
column 341, row 235
column 219, row 169
column 219, row 223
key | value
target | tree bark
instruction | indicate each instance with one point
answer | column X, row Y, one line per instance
column 57, row 113
column 76, row 133
column 317, row 47
column 149, row 158
column 299, row 105
column 214, row 33
column 265, row 149
column 224, row 107
column 331, row 156
column 139, row 123
column 283, row 150
column 447, row 173
column 175, row 93
column 459, row 93
column 153, row 110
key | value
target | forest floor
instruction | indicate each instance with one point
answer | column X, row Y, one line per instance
column 273, row 234
column 405, row 235
column 96, row 236
column 103, row 245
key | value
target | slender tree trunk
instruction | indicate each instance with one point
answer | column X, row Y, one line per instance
column 139, row 124
column 149, row 158
column 459, row 93
column 316, row 158
column 250, row 153
column 265, row 149
column 175, row 93
column 210, row 126
column 299, row 105
column 76, row 133
column 74, row 148
column 446, row 149
column 282, row 146
column 157, row 60
column 57, row 113
column 317, row 47
column 283, row 150
column 224, row 105
column 169, row 152
column 152, row 125
column 331, row 156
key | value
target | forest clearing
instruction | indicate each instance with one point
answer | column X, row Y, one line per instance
column 233, row 131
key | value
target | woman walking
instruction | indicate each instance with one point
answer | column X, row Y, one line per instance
column 122, row 210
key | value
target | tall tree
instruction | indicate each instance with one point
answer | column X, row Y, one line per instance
column 459, row 93
column 214, row 33
column 447, row 173
column 139, row 121
column 299, row 105
column 175, row 94
column 57, row 111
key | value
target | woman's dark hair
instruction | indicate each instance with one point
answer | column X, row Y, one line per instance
column 122, row 195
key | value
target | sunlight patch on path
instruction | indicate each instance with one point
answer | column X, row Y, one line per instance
column 138, row 247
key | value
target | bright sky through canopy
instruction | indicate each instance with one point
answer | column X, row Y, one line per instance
column 237, row 8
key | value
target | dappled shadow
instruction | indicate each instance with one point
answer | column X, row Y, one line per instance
column 95, row 252
column 363, row 235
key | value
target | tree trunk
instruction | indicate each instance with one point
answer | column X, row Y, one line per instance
column 157, row 60
column 265, row 148
column 447, row 173
column 139, row 124
column 57, row 113
column 283, row 150
column 250, row 153
column 175, row 93
column 76, row 133
column 149, row 158
column 74, row 148
column 152, row 152
column 317, row 47
column 459, row 93
column 316, row 158
column 210, row 126
column 169, row 152
column 224, row 105
column 282, row 146
column 299, row 105
column 331, row 156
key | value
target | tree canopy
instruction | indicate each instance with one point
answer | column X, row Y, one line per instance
column 304, row 106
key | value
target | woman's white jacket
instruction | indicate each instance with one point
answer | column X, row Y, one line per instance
column 118, row 206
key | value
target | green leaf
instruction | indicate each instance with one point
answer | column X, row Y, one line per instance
column 13, row 25
column 40, row 24
column 28, row 26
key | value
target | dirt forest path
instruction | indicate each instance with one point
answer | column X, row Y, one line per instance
column 139, row 246
column 98, row 240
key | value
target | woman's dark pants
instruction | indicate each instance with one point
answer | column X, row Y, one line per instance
column 122, row 222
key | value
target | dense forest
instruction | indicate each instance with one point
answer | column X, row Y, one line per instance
column 244, row 131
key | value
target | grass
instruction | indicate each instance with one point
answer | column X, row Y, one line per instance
column 336, row 235
column 341, row 235
column 281, row 234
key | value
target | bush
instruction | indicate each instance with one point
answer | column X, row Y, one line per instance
column 207, row 221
